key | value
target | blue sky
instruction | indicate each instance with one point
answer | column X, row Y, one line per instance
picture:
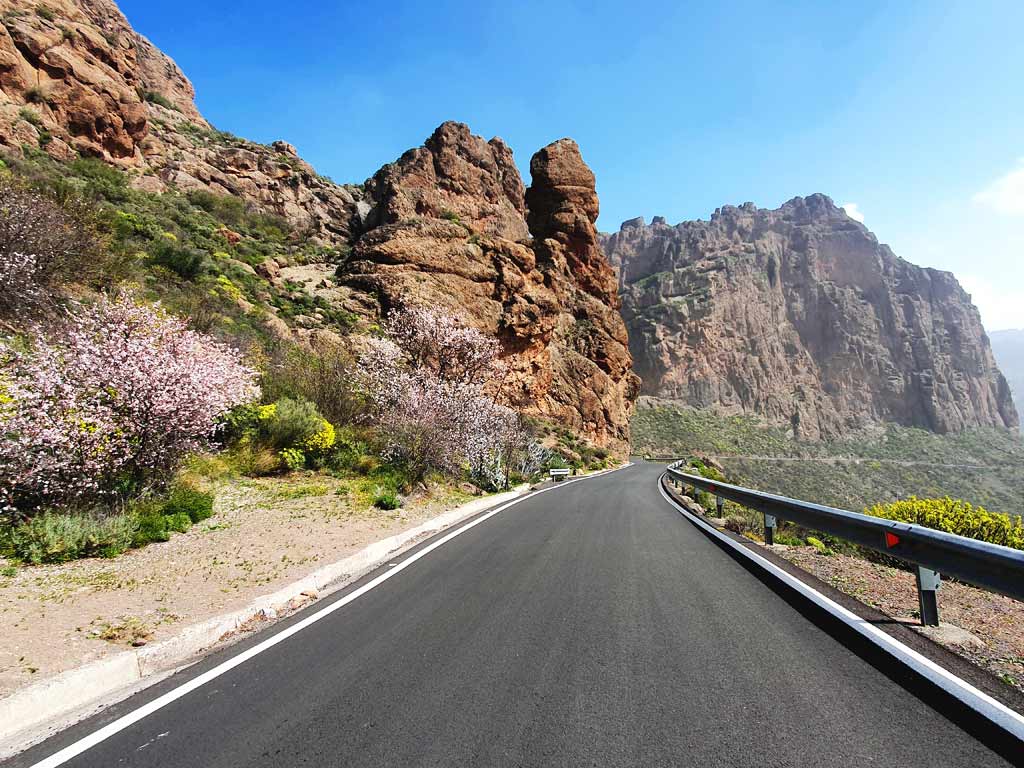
column 911, row 111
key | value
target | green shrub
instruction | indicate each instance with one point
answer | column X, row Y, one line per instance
column 227, row 209
column 387, row 500
column 45, row 13
column 348, row 449
column 367, row 465
column 185, row 500
column 250, row 458
column 788, row 539
column 30, row 116
column 818, row 544
column 289, row 423
column 101, row 181
column 184, row 261
column 58, row 537
column 179, row 522
column 151, row 525
column 698, row 467
column 293, row 459
column 955, row 516
column 158, row 98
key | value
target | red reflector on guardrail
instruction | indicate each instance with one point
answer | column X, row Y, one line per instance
column 891, row 540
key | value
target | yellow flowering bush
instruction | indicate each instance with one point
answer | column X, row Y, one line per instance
column 322, row 441
column 228, row 289
column 956, row 516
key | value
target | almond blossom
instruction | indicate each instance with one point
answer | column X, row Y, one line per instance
column 428, row 384
column 108, row 401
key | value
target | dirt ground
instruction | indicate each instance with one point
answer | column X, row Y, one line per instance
column 995, row 621
column 264, row 534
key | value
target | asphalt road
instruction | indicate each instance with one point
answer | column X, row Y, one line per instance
column 590, row 625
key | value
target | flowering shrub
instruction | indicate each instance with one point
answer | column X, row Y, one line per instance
column 955, row 516
column 427, row 383
column 107, row 402
column 442, row 344
column 322, row 441
column 41, row 242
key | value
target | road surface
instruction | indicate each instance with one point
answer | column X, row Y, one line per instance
column 590, row 625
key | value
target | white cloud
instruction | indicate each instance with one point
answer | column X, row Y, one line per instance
column 853, row 212
column 1001, row 306
column 1006, row 194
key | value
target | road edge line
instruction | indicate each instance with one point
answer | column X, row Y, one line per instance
column 978, row 701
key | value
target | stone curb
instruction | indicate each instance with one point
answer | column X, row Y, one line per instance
column 34, row 706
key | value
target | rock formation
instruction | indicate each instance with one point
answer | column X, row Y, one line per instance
column 450, row 227
column 446, row 224
column 801, row 316
column 75, row 78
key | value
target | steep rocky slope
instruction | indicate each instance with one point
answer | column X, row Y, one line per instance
column 451, row 226
column 76, row 78
column 800, row 315
column 449, row 223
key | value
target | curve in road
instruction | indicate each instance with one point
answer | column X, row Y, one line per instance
column 590, row 625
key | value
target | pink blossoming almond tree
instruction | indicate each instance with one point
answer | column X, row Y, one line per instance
column 429, row 382
column 112, row 398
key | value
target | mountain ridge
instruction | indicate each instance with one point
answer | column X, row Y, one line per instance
column 798, row 314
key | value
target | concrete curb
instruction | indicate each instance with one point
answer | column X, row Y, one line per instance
column 73, row 691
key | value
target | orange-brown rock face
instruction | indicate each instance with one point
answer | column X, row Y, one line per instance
column 76, row 67
column 75, row 78
column 449, row 229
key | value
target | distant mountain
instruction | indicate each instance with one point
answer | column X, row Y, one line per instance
column 1008, row 347
column 801, row 316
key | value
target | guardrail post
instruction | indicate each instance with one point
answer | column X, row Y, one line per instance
column 769, row 529
column 720, row 505
column 928, row 583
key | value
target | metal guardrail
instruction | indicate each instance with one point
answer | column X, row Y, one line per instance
column 989, row 566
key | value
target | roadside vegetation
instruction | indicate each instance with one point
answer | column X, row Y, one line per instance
column 883, row 465
column 911, row 475
column 138, row 370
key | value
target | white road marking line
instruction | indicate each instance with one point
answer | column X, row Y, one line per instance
column 957, row 687
column 104, row 733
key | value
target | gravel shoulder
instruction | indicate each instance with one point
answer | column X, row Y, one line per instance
column 265, row 534
column 994, row 624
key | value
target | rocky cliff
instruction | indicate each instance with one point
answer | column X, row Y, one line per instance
column 449, row 223
column 800, row 315
column 452, row 226
column 75, row 78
